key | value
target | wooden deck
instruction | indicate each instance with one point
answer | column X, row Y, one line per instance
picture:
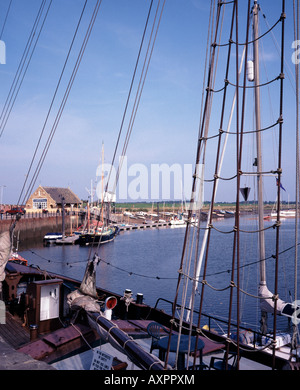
column 13, row 360
column 16, row 340
column 13, row 332
column 135, row 328
column 139, row 328
column 12, row 336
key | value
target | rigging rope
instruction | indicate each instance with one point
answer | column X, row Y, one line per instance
column 142, row 80
column 202, row 141
column 132, row 273
column 282, row 17
column 23, row 66
column 297, row 184
column 64, row 99
column 279, row 77
column 221, row 131
column 201, row 146
column 5, row 19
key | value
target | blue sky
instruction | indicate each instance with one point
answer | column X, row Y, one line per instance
column 167, row 122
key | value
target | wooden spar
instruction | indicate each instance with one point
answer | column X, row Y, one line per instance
column 102, row 188
column 259, row 149
column 133, row 350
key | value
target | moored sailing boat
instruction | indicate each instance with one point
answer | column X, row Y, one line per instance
column 178, row 221
column 98, row 236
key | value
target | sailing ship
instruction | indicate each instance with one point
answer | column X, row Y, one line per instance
column 46, row 299
column 96, row 236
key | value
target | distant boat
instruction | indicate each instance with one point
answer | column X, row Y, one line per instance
column 284, row 214
column 178, row 222
column 218, row 214
column 50, row 238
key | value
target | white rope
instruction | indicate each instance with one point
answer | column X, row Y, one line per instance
column 79, row 331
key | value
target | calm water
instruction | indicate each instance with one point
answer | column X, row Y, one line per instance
column 146, row 261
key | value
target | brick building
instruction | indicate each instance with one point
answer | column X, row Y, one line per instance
column 51, row 198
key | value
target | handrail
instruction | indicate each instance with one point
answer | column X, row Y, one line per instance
column 37, row 214
column 256, row 334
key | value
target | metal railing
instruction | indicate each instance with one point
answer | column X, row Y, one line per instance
column 212, row 321
column 38, row 214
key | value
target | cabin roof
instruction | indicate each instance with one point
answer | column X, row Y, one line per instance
column 57, row 193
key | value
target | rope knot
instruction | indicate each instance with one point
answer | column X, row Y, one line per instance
column 173, row 322
column 275, row 297
column 282, row 16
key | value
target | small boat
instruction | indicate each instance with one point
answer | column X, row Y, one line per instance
column 284, row 214
column 178, row 221
column 218, row 214
column 50, row 238
column 17, row 258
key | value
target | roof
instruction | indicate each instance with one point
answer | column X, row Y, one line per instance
column 57, row 193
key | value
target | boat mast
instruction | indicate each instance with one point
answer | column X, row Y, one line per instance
column 102, row 184
column 259, row 154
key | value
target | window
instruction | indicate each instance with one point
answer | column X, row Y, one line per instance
column 49, row 302
column 39, row 203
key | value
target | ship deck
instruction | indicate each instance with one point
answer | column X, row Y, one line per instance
column 13, row 337
column 13, row 333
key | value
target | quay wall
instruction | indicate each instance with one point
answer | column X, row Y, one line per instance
column 34, row 229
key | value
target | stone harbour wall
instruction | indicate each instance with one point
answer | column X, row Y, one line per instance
column 34, row 229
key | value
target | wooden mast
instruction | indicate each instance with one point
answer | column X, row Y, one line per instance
column 102, row 184
column 262, row 256
column 258, row 146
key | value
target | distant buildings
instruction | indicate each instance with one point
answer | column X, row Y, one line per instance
column 51, row 198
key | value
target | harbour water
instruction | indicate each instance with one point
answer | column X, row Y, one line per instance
column 147, row 262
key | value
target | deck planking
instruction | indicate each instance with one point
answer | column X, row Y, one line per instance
column 13, row 332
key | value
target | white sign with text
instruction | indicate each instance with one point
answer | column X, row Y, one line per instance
column 101, row 360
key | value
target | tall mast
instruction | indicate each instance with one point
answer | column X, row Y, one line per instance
column 258, row 148
column 262, row 281
column 102, row 183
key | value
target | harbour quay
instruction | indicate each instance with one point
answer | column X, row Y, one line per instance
column 35, row 225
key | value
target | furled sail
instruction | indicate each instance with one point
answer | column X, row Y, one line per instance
column 5, row 250
column 268, row 300
column 86, row 298
column 291, row 310
column 88, row 284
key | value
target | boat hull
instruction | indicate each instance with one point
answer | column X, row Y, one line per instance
column 50, row 238
column 98, row 238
